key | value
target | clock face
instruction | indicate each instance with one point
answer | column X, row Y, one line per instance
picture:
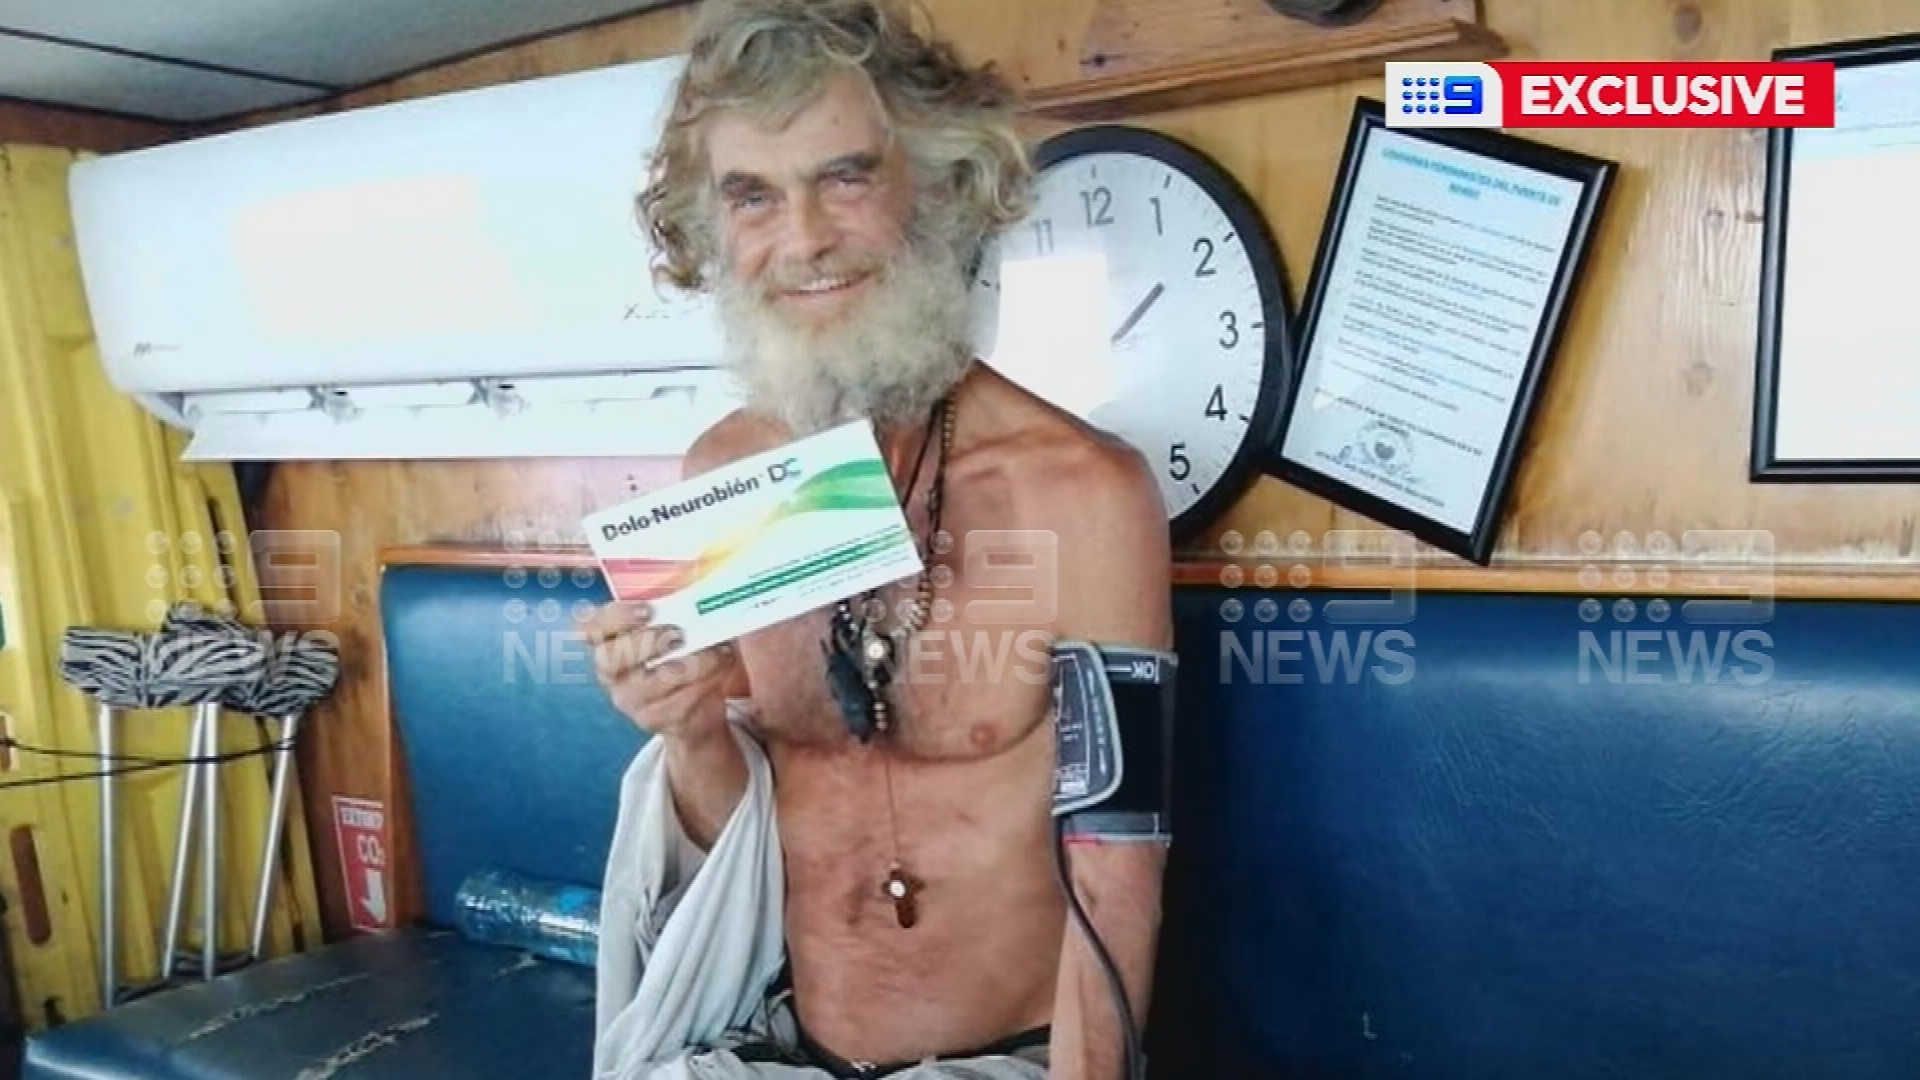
column 1143, row 294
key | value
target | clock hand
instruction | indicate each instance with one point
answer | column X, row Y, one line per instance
column 1139, row 310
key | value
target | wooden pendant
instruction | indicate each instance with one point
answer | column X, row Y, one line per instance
column 902, row 889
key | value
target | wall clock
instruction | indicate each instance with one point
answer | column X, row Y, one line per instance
column 1145, row 295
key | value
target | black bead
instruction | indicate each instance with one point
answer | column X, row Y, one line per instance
column 851, row 694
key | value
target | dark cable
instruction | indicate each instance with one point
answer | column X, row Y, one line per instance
column 11, row 743
column 1136, row 1063
column 141, row 764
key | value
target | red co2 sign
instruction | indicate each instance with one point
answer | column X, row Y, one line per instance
column 360, row 831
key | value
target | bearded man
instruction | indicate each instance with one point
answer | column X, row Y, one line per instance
column 828, row 170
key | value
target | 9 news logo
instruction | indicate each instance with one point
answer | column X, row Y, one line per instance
column 1434, row 94
column 1609, row 94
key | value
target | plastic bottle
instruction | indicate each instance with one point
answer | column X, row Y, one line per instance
column 558, row 921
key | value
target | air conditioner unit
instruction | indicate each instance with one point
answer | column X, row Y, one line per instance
column 454, row 276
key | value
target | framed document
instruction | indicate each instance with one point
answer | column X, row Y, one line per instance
column 1435, row 304
column 1837, row 386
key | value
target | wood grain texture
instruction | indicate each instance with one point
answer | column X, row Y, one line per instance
column 1599, row 578
column 1644, row 421
column 1636, row 576
column 1128, row 36
column 30, row 124
column 1140, row 56
column 489, row 558
column 1223, row 75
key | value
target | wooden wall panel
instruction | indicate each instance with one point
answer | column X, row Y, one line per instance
column 30, row 124
column 1644, row 424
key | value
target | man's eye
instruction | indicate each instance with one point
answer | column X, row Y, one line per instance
column 850, row 179
column 751, row 201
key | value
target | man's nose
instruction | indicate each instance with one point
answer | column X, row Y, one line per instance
column 810, row 230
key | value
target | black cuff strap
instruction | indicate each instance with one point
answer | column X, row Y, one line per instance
column 1136, row 704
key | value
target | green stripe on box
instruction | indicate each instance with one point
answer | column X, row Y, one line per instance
column 827, row 560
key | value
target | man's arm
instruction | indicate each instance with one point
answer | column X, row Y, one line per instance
column 1115, row 589
column 705, row 772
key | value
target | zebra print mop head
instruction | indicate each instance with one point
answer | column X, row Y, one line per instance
column 301, row 668
column 142, row 670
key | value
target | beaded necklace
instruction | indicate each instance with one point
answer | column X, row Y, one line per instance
column 862, row 658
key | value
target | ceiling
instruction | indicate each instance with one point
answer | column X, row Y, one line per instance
column 193, row 61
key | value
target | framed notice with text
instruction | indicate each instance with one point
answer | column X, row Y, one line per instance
column 1837, row 385
column 1435, row 304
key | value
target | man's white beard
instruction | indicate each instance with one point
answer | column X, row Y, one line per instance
column 889, row 359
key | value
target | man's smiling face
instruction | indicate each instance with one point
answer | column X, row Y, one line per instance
column 839, row 299
column 812, row 213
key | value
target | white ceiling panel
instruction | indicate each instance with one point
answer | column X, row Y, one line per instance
column 69, row 75
column 341, row 43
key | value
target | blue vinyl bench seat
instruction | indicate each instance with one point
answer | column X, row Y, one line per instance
column 1530, row 838
column 513, row 757
column 1502, row 840
column 403, row 1005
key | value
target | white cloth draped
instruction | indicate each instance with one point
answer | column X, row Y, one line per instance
column 690, row 944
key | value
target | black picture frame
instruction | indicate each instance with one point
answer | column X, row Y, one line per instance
column 1765, row 463
column 1595, row 178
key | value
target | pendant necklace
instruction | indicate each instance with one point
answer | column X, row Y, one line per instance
column 862, row 657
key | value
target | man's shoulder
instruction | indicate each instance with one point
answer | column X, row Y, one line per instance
column 1098, row 497
column 1094, row 478
column 737, row 435
column 1074, row 469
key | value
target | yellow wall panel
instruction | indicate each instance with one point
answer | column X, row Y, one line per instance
column 40, row 185
column 105, row 527
column 56, row 972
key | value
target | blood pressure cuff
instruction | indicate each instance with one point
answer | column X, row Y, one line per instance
column 1113, row 738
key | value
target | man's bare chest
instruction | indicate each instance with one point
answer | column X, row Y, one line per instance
column 972, row 683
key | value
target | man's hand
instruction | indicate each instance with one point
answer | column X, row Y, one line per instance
column 683, row 698
column 683, row 701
